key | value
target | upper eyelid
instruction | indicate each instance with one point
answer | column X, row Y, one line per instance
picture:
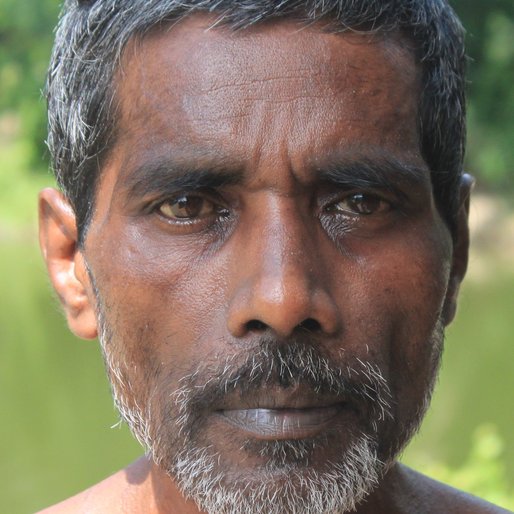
column 208, row 194
column 388, row 195
column 350, row 194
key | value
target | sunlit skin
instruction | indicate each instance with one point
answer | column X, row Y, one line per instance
column 280, row 231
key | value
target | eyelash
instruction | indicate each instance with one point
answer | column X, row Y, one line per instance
column 218, row 210
column 384, row 204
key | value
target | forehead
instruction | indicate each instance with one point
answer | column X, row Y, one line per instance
column 274, row 88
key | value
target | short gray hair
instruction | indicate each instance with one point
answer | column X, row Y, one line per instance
column 91, row 36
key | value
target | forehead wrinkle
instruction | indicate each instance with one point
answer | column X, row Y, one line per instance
column 234, row 59
column 217, row 98
column 232, row 54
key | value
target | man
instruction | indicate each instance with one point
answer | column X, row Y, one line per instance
column 264, row 221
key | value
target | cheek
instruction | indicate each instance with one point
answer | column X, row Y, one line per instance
column 161, row 300
column 396, row 299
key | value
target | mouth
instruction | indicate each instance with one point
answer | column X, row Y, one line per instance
column 278, row 414
column 284, row 423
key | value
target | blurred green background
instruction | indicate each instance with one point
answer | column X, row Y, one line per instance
column 55, row 407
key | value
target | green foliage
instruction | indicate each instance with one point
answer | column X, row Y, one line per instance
column 483, row 474
column 26, row 35
column 490, row 44
column 19, row 186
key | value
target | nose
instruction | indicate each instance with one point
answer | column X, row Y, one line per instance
column 280, row 281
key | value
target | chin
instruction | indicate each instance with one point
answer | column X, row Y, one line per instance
column 279, row 484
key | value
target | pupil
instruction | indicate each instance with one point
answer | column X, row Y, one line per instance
column 364, row 205
column 188, row 207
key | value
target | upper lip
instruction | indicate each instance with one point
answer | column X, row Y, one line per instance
column 275, row 397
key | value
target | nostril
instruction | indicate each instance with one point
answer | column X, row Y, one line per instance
column 310, row 324
column 256, row 325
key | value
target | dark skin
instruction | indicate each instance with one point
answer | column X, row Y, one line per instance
column 264, row 182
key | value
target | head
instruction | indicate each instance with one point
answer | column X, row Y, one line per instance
column 264, row 219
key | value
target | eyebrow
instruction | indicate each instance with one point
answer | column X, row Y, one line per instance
column 385, row 173
column 168, row 177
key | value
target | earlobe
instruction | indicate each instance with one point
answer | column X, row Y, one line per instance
column 460, row 249
column 65, row 262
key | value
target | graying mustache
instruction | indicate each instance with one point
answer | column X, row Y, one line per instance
column 285, row 366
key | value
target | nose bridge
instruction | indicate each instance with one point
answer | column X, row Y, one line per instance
column 280, row 286
column 281, row 256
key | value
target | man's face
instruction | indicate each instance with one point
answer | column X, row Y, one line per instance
column 269, row 264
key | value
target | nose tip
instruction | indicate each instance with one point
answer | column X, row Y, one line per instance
column 283, row 305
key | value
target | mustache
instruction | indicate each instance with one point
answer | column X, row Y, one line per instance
column 277, row 364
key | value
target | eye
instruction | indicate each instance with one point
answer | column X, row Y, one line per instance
column 188, row 207
column 363, row 204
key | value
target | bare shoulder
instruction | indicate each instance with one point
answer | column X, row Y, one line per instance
column 109, row 496
column 74, row 504
column 428, row 495
column 95, row 500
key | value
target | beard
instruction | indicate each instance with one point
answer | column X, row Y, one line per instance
column 171, row 427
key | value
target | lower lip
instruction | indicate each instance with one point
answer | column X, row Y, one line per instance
column 276, row 424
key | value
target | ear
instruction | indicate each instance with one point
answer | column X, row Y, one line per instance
column 460, row 249
column 65, row 262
